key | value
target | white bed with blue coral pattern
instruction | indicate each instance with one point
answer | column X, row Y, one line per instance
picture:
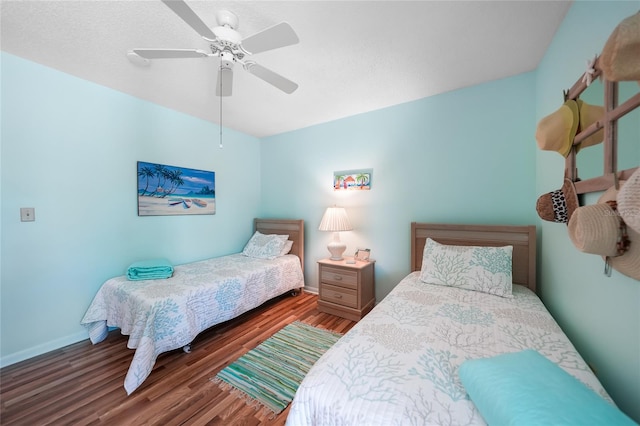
column 401, row 364
column 166, row 314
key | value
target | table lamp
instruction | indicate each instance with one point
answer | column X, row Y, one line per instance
column 335, row 219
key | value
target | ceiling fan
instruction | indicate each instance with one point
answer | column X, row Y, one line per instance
column 227, row 44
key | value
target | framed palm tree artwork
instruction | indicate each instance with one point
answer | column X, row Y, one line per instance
column 169, row 190
column 352, row 180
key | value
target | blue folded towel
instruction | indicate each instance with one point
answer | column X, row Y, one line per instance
column 152, row 269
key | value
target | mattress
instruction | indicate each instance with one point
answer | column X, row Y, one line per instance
column 162, row 315
column 399, row 364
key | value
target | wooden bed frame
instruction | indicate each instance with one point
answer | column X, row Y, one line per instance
column 292, row 227
column 522, row 238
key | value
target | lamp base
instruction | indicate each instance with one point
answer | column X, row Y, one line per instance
column 336, row 247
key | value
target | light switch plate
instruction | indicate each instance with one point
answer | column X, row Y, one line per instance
column 27, row 214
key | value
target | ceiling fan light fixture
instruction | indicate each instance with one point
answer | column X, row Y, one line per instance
column 225, row 82
column 226, row 60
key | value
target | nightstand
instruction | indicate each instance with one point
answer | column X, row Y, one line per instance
column 346, row 290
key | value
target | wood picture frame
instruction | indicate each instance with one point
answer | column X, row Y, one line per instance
column 362, row 254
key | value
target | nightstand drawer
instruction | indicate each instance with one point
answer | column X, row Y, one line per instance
column 346, row 289
column 339, row 295
column 339, row 277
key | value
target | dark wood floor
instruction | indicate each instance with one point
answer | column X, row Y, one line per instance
column 82, row 384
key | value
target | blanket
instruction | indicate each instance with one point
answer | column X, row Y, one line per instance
column 162, row 315
column 399, row 364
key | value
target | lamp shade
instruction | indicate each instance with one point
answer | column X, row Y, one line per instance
column 335, row 219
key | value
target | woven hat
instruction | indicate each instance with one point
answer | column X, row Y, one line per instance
column 629, row 201
column 558, row 206
column 599, row 229
column 620, row 58
column 556, row 131
column 589, row 114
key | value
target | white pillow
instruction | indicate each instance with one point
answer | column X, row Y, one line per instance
column 484, row 269
column 287, row 247
column 287, row 244
column 263, row 246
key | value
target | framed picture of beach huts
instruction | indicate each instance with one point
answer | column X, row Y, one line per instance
column 357, row 180
column 169, row 190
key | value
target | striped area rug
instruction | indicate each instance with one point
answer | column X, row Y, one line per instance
column 270, row 374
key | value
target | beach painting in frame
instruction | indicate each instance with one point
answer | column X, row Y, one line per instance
column 348, row 180
column 168, row 190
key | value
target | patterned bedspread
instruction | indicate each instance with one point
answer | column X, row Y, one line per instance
column 162, row 315
column 398, row 365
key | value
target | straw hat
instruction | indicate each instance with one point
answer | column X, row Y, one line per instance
column 589, row 114
column 556, row 131
column 629, row 201
column 599, row 229
column 620, row 58
column 558, row 206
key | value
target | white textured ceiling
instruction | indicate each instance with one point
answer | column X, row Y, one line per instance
column 353, row 56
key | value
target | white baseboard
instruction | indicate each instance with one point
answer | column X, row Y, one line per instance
column 65, row 341
column 312, row 290
column 43, row 348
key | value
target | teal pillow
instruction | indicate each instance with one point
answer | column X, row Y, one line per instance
column 525, row 388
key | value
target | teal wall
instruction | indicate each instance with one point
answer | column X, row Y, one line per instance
column 69, row 149
column 460, row 157
column 600, row 315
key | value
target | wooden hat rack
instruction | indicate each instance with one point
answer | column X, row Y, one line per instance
column 609, row 122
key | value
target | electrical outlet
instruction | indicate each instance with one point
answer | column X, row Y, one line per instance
column 27, row 214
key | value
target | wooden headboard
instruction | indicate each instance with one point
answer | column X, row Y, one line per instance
column 522, row 238
column 292, row 227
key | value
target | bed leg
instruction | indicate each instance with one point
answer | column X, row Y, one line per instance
column 296, row 292
column 187, row 348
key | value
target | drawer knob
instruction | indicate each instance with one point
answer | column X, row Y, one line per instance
column 337, row 296
column 337, row 277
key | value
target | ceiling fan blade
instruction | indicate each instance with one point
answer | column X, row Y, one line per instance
column 181, row 9
column 169, row 53
column 279, row 35
column 271, row 77
column 223, row 88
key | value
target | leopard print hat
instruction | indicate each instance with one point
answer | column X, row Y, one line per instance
column 558, row 206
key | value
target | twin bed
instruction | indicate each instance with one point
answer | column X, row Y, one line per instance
column 461, row 340
column 167, row 314
column 401, row 364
